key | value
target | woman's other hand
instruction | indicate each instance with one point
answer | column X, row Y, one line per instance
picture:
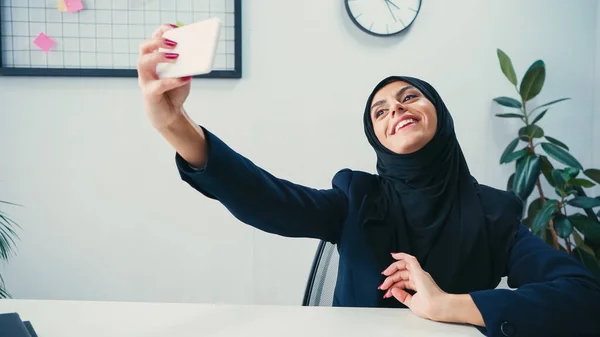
column 406, row 273
column 163, row 98
column 429, row 301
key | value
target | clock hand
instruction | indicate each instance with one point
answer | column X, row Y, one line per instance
column 392, row 3
column 387, row 3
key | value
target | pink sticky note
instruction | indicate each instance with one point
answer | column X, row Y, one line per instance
column 44, row 42
column 73, row 5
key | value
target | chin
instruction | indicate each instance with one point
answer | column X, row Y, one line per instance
column 406, row 147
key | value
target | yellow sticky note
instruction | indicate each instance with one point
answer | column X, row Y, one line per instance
column 61, row 6
column 179, row 23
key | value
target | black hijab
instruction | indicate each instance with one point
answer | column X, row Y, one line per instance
column 434, row 208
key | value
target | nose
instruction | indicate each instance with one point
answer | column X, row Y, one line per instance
column 398, row 107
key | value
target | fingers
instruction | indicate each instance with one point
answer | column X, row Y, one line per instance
column 147, row 64
column 400, row 275
column 155, row 89
column 402, row 296
column 151, row 45
column 398, row 265
column 411, row 262
column 147, row 59
column 404, row 284
column 158, row 32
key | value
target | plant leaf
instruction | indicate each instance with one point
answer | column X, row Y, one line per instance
column 534, row 208
column 559, row 179
column 7, row 243
column 570, row 190
column 8, row 203
column 593, row 174
column 561, row 155
column 507, row 67
column 582, row 182
column 546, row 168
column 589, row 261
column 532, row 131
column 508, row 150
column 562, row 225
column 516, row 155
column 570, row 173
column 526, row 174
column 580, row 242
column 510, row 115
column 538, row 117
column 550, row 103
column 3, row 292
column 509, row 183
column 587, row 226
column 544, row 216
column 509, row 102
column 584, row 202
column 557, row 142
column 533, row 81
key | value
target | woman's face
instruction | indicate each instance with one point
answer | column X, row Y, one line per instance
column 404, row 120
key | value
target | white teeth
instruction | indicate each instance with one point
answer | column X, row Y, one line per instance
column 404, row 122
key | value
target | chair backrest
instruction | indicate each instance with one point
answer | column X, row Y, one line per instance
column 323, row 276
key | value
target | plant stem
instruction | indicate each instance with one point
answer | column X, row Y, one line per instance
column 537, row 181
column 567, row 239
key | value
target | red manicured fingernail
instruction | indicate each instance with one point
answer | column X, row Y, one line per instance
column 174, row 26
column 187, row 78
column 170, row 43
column 171, row 55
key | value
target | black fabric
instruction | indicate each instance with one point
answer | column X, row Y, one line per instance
column 430, row 202
column 11, row 325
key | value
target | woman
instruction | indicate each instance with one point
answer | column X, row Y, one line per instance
column 421, row 234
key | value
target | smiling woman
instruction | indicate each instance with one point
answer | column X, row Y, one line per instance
column 403, row 119
column 421, row 234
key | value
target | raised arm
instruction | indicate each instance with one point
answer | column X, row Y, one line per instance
column 555, row 295
column 250, row 193
column 262, row 200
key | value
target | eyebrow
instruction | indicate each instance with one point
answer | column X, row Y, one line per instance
column 400, row 92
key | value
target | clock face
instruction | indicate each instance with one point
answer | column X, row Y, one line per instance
column 383, row 17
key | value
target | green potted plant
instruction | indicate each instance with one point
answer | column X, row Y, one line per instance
column 7, row 243
column 566, row 219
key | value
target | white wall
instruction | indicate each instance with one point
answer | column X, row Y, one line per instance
column 106, row 217
column 596, row 112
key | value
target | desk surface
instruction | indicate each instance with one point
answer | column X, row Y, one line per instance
column 139, row 319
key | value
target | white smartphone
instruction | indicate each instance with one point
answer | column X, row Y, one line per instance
column 196, row 45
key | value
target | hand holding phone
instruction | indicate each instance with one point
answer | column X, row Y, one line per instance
column 196, row 45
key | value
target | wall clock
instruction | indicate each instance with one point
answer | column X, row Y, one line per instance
column 383, row 17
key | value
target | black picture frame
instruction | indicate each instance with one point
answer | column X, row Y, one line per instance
column 236, row 73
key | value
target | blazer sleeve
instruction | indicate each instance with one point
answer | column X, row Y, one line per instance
column 257, row 198
column 555, row 296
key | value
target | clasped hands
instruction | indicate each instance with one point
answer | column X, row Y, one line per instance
column 429, row 301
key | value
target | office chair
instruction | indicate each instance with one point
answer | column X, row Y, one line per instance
column 322, row 277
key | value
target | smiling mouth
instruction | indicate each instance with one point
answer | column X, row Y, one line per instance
column 405, row 124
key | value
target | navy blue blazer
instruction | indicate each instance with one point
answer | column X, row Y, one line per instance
column 556, row 295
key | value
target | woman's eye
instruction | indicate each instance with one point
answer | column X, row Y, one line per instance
column 379, row 113
column 408, row 97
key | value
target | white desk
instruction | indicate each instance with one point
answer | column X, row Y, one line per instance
column 125, row 319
